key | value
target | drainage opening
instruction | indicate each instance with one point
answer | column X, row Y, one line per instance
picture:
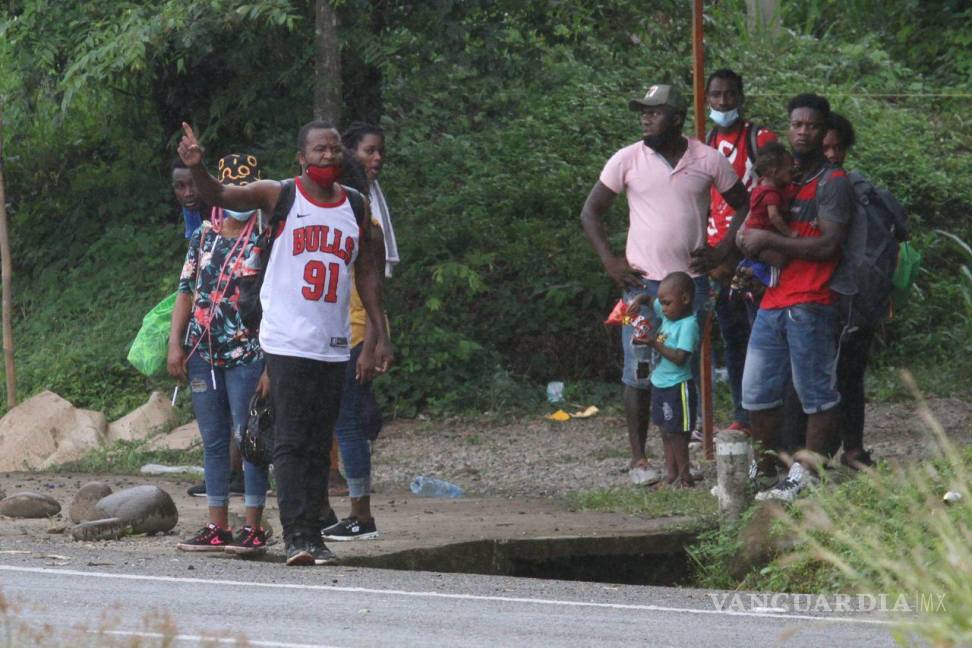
column 656, row 558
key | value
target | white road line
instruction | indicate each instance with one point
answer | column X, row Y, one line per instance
column 441, row 595
column 243, row 641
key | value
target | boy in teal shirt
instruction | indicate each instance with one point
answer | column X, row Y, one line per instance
column 674, row 403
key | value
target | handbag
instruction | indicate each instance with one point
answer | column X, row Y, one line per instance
column 258, row 439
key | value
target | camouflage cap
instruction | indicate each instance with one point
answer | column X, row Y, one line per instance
column 236, row 169
column 660, row 95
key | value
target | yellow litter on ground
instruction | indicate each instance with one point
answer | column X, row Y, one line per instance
column 559, row 415
column 588, row 413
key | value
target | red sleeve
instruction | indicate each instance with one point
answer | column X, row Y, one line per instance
column 772, row 197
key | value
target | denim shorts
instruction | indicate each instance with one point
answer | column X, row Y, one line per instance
column 640, row 359
column 799, row 341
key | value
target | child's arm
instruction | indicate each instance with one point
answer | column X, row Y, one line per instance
column 776, row 218
column 678, row 356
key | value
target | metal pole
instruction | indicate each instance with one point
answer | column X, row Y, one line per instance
column 698, row 73
column 6, row 276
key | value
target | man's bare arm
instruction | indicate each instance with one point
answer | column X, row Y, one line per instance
column 262, row 194
column 598, row 202
column 825, row 247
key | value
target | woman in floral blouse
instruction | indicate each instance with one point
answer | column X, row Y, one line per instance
column 222, row 360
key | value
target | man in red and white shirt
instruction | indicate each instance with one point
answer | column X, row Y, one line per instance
column 305, row 332
column 737, row 139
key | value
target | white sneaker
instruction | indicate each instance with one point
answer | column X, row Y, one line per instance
column 798, row 479
column 644, row 476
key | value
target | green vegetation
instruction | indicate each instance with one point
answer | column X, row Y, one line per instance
column 889, row 531
column 128, row 457
column 499, row 117
column 645, row 502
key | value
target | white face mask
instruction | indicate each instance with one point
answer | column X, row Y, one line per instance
column 724, row 119
column 240, row 216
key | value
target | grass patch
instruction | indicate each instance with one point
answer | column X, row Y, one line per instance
column 887, row 532
column 644, row 502
column 127, row 458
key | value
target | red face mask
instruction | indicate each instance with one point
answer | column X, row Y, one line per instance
column 325, row 176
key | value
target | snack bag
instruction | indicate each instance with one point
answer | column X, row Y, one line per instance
column 619, row 315
column 642, row 329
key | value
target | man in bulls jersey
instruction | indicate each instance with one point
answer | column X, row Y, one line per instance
column 738, row 139
column 305, row 331
column 795, row 332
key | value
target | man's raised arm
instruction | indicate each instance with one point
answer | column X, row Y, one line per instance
column 262, row 194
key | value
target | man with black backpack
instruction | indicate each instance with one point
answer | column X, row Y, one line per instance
column 863, row 281
column 320, row 229
column 737, row 139
column 794, row 336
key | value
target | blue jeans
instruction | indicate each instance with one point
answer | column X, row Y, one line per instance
column 350, row 430
column 798, row 342
column 638, row 359
column 735, row 321
column 219, row 412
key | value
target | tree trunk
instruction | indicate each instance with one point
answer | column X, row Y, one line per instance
column 327, row 64
column 6, row 272
column 763, row 15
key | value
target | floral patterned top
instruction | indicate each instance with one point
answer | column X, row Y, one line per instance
column 227, row 343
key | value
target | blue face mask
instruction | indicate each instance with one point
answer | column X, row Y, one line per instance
column 724, row 119
column 240, row 216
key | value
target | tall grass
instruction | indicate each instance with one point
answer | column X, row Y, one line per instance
column 901, row 537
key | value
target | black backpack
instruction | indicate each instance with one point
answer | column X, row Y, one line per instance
column 864, row 279
column 248, row 305
column 751, row 145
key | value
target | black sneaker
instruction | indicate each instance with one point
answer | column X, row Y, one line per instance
column 199, row 490
column 328, row 520
column 209, row 538
column 351, row 529
column 298, row 552
column 236, row 486
column 248, row 542
column 322, row 555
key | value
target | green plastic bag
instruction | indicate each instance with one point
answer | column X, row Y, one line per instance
column 905, row 273
column 150, row 350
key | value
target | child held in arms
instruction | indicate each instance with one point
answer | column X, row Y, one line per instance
column 769, row 205
column 674, row 402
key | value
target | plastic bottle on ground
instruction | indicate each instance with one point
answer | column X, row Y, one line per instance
column 555, row 392
column 431, row 487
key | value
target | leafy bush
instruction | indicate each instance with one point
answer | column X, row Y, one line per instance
column 499, row 117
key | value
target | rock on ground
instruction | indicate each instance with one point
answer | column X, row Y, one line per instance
column 82, row 508
column 46, row 431
column 154, row 417
column 29, row 505
column 107, row 529
column 148, row 509
column 181, row 438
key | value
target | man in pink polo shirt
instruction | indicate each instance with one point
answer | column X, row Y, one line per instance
column 667, row 178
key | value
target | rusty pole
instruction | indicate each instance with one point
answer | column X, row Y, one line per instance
column 698, row 73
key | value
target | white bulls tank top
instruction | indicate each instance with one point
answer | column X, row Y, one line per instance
column 306, row 290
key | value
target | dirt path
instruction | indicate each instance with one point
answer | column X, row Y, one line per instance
column 547, row 459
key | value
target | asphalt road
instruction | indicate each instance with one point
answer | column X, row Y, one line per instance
column 195, row 600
